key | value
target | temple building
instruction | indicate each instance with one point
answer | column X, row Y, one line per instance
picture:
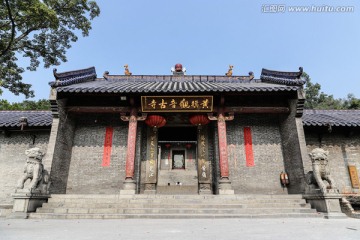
column 179, row 134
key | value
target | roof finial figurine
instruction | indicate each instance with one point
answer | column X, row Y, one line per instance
column 230, row 72
column 178, row 70
column 127, row 72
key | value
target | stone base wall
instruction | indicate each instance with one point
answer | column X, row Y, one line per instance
column 86, row 173
column 13, row 158
column 263, row 177
column 344, row 150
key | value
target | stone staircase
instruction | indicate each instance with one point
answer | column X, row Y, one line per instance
column 173, row 206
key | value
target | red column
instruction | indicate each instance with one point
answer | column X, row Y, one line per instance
column 224, row 164
column 130, row 154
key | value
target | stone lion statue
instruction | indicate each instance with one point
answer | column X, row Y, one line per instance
column 320, row 173
column 34, row 170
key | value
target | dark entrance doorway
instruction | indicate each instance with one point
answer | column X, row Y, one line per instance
column 178, row 160
column 180, row 134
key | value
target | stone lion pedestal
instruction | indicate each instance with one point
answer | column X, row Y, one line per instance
column 329, row 204
column 27, row 202
column 28, row 199
column 320, row 191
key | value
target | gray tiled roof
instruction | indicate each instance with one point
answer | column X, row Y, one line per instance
column 310, row 118
column 34, row 118
column 161, row 84
column 348, row 118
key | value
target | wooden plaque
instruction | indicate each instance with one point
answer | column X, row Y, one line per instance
column 354, row 177
column 177, row 103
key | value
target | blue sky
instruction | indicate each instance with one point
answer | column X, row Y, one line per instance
column 206, row 36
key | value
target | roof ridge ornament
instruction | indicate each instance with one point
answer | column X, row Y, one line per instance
column 230, row 71
column 106, row 75
column 248, row 78
column 178, row 70
column 127, row 72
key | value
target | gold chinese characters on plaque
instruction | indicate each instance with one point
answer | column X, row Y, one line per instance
column 177, row 103
column 354, row 176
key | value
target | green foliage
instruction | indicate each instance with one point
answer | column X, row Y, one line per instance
column 352, row 102
column 41, row 104
column 41, row 30
column 319, row 100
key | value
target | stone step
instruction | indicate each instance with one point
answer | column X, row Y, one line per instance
column 174, row 206
column 171, row 216
column 176, row 203
column 157, row 196
column 170, row 205
column 174, row 211
column 197, row 201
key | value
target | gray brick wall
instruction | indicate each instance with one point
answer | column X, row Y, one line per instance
column 86, row 173
column 13, row 158
column 343, row 150
column 267, row 149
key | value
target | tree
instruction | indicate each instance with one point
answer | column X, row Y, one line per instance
column 42, row 104
column 319, row 100
column 352, row 102
column 41, row 30
column 312, row 92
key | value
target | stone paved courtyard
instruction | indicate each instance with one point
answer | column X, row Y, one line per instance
column 150, row 229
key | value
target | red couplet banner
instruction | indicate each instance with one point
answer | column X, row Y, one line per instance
column 107, row 147
column 248, row 147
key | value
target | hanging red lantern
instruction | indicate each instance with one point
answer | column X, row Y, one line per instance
column 188, row 145
column 155, row 121
column 168, row 145
column 199, row 119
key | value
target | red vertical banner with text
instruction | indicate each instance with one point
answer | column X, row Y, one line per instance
column 249, row 154
column 107, row 147
column 224, row 164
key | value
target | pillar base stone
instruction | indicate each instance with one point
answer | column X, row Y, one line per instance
column 225, row 187
column 127, row 192
column 205, row 189
column 150, row 188
column 129, row 187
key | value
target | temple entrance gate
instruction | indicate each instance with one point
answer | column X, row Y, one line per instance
column 177, row 160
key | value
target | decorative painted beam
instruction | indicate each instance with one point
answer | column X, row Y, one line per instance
column 98, row 109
